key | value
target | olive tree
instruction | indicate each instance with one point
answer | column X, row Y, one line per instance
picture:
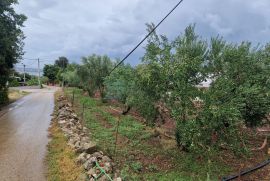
column 93, row 72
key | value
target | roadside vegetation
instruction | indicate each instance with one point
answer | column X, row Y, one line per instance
column 14, row 95
column 167, row 88
column 17, row 79
column 60, row 157
column 11, row 41
column 140, row 152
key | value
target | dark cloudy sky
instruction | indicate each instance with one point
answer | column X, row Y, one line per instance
column 76, row 28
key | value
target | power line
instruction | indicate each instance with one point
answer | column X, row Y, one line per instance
column 25, row 58
column 154, row 29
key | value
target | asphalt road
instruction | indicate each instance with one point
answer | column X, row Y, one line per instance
column 24, row 136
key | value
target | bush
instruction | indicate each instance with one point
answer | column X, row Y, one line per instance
column 44, row 80
column 144, row 104
column 3, row 96
column 13, row 83
column 32, row 82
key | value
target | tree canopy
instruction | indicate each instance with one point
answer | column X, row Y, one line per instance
column 62, row 62
column 11, row 42
column 51, row 72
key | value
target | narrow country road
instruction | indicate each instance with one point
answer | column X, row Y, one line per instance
column 23, row 136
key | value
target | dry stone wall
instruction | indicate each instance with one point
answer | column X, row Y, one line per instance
column 78, row 138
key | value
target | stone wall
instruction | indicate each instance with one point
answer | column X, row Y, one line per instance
column 78, row 138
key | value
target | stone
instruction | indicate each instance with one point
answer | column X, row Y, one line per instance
column 95, row 175
column 77, row 144
column 98, row 155
column 61, row 105
column 88, row 165
column 71, row 142
column 118, row 179
column 81, row 159
column 88, row 156
column 62, row 122
column 103, row 178
column 93, row 160
column 90, row 147
column 91, row 172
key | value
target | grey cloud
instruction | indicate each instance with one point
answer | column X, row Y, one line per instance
column 79, row 28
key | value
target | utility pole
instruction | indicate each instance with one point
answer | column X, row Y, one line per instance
column 23, row 74
column 39, row 83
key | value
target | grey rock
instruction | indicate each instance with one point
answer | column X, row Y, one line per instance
column 78, row 144
column 72, row 142
column 103, row 178
column 62, row 122
column 98, row 155
column 90, row 147
column 81, row 159
column 91, row 172
column 88, row 165
column 88, row 156
column 93, row 160
column 95, row 176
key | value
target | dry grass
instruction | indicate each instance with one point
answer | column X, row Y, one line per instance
column 14, row 95
column 61, row 158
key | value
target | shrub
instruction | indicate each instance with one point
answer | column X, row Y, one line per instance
column 13, row 83
column 3, row 96
column 32, row 82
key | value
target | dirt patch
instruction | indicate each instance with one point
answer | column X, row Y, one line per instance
column 161, row 162
column 113, row 111
column 238, row 164
column 117, row 111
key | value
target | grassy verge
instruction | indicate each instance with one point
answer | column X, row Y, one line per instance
column 139, row 154
column 60, row 158
column 14, row 95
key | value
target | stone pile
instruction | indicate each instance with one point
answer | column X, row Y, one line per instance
column 78, row 139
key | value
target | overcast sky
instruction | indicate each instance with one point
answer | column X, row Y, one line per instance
column 80, row 28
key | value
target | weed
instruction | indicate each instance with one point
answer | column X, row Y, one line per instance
column 136, row 166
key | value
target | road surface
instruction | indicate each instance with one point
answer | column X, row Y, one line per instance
column 23, row 136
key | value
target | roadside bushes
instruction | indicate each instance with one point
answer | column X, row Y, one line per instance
column 3, row 96
column 11, row 43
column 33, row 81
column 13, row 82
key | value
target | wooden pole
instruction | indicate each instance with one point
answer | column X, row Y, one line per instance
column 83, row 112
column 73, row 98
column 116, row 136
